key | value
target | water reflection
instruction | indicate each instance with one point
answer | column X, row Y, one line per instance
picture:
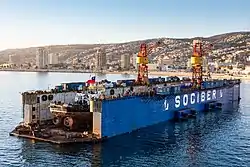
column 213, row 139
column 169, row 139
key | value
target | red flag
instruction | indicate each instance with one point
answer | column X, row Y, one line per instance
column 91, row 81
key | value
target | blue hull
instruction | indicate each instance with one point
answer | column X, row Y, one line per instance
column 131, row 113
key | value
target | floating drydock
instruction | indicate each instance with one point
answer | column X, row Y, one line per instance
column 92, row 111
column 81, row 112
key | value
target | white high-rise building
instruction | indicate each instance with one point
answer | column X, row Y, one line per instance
column 134, row 60
column 41, row 58
column 125, row 61
column 45, row 58
column 53, row 58
column 101, row 61
column 11, row 59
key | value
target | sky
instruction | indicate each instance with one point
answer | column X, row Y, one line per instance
column 27, row 23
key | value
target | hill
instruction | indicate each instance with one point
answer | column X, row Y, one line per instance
column 179, row 49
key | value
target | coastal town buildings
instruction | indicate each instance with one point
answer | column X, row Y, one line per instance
column 101, row 60
column 41, row 57
column 125, row 61
column 53, row 58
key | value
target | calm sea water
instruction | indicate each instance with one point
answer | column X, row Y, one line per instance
column 216, row 139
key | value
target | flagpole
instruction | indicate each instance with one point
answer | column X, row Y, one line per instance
column 95, row 83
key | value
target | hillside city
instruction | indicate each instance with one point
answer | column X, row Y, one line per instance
column 230, row 54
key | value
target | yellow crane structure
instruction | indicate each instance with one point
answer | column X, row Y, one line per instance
column 199, row 51
column 142, row 61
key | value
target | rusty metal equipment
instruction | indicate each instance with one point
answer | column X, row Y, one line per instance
column 73, row 118
column 80, row 121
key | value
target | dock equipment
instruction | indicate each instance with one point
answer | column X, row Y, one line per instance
column 142, row 61
column 199, row 51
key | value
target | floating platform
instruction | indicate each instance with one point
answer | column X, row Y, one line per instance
column 54, row 135
column 112, row 111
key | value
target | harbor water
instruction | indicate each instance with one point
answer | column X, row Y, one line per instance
column 215, row 139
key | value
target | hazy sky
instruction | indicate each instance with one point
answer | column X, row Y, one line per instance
column 25, row 23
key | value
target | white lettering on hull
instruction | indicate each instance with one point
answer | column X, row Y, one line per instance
column 193, row 98
column 166, row 105
column 209, row 95
column 185, row 100
column 202, row 96
column 221, row 94
column 214, row 94
column 177, row 101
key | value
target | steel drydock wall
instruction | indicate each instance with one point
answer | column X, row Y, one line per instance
column 35, row 105
column 125, row 115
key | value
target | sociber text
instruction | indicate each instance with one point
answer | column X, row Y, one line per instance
column 194, row 98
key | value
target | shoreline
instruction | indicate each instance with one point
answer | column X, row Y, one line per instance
column 154, row 73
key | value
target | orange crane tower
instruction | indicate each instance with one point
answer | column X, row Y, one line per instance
column 142, row 61
column 199, row 50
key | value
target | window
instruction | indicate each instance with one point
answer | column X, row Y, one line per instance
column 33, row 108
column 37, row 99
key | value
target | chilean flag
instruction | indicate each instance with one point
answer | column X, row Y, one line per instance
column 92, row 80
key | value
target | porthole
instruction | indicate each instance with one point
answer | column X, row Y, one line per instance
column 44, row 97
column 50, row 97
column 112, row 92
